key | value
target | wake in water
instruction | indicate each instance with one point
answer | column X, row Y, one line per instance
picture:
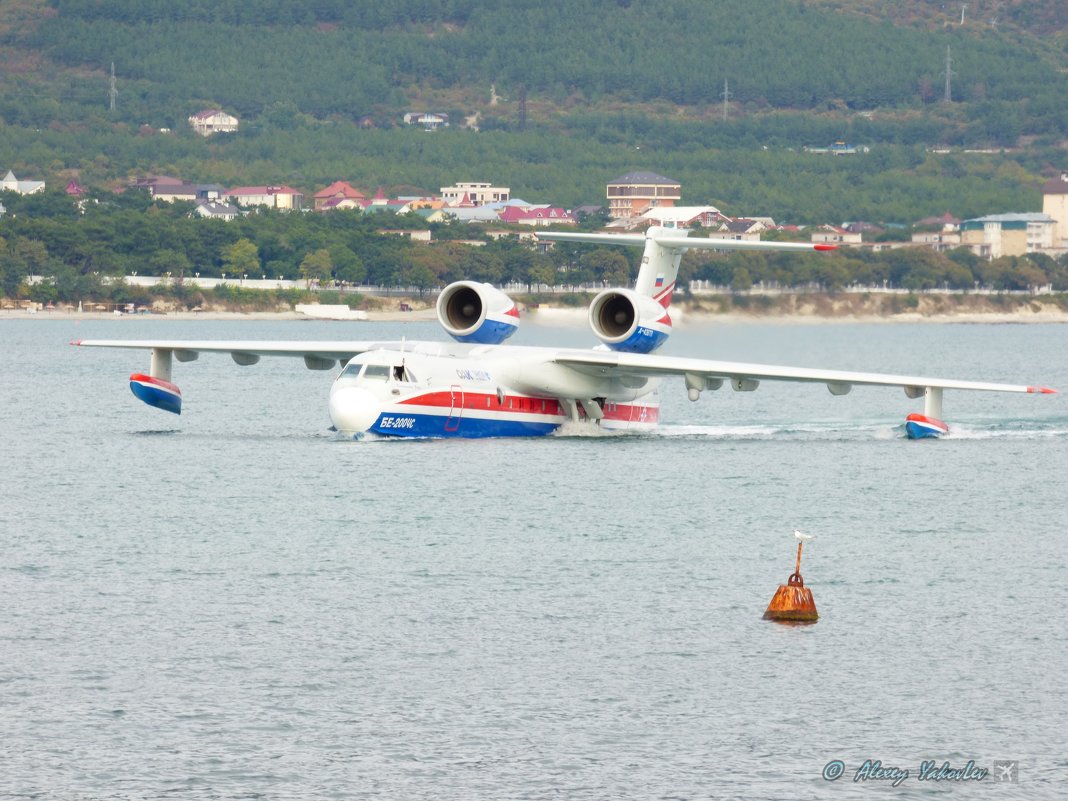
column 585, row 428
column 1011, row 429
column 782, row 431
column 830, row 431
column 837, row 432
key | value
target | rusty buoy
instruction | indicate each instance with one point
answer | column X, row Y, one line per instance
column 793, row 601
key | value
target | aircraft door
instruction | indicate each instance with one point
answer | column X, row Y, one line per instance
column 456, row 410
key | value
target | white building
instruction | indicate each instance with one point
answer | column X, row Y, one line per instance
column 275, row 197
column 940, row 241
column 683, row 216
column 474, row 193
column 217, row 210
column 1008, row 234
column 429, row 120
column 1055, row 205
column 212, row 121
column 13, row 184
column 832, row 234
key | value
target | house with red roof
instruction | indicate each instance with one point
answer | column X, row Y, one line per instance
column 337, row 192
column 336, row 203
column 537, row 216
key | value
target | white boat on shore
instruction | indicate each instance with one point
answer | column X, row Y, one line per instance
column 322, row 311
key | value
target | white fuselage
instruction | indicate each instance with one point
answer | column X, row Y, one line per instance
column 456, row 390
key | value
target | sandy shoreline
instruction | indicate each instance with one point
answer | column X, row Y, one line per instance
column 374, row 316
column 571, row 317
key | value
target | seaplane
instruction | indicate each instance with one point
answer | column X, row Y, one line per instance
column 478, row 386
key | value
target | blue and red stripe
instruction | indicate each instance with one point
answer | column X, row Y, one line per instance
column 919, row 426
column 157, row 392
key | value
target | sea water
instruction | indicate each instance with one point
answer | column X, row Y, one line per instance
column 235, row 603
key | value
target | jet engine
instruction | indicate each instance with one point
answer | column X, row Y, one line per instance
column 627, row 321
column 474, row 312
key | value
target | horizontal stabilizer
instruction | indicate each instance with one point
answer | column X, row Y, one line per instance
column 670, row 238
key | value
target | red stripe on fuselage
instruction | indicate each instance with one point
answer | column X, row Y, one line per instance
column 631, row 413
column 521, row 404
column 481, row 401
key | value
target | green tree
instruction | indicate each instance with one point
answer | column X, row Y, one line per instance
column 479, row 265
column 12, row 273
column 741, row 281
column 541, row 270
column 32, row 253
column 241, row 258
column 610, row 267
column 421, row 277
column 170, row 261
column 317, row 266
column 348, row 267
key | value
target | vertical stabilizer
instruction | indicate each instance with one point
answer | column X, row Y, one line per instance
column 660, row 267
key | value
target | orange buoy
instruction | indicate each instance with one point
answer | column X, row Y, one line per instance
column 793, row 601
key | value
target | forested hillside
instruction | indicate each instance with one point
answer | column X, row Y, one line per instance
column 335, row 57
column 560, row 98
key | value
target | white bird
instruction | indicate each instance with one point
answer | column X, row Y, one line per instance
column 804, row 537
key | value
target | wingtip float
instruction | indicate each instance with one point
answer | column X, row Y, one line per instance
column 157, row 392
column 918, row 426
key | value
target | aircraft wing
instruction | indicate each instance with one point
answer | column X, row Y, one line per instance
column 155, row 387
column 187, row 350
column 709, row 374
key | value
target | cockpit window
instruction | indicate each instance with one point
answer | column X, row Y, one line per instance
column 379, row 372
column 402, row 373
column 352, row 370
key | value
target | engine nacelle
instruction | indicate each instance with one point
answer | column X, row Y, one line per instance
column 473, row 312
column 626, row 321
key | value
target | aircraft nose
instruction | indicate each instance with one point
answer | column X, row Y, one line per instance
column 353, row 410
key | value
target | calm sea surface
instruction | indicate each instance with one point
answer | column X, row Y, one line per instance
column 235, row 604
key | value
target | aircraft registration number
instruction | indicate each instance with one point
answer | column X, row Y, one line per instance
column 397, row 422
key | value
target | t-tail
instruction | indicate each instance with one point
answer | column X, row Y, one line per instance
column 639, row 320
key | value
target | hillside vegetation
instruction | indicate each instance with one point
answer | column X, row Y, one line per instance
column 565, row 97
column 334, row 57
